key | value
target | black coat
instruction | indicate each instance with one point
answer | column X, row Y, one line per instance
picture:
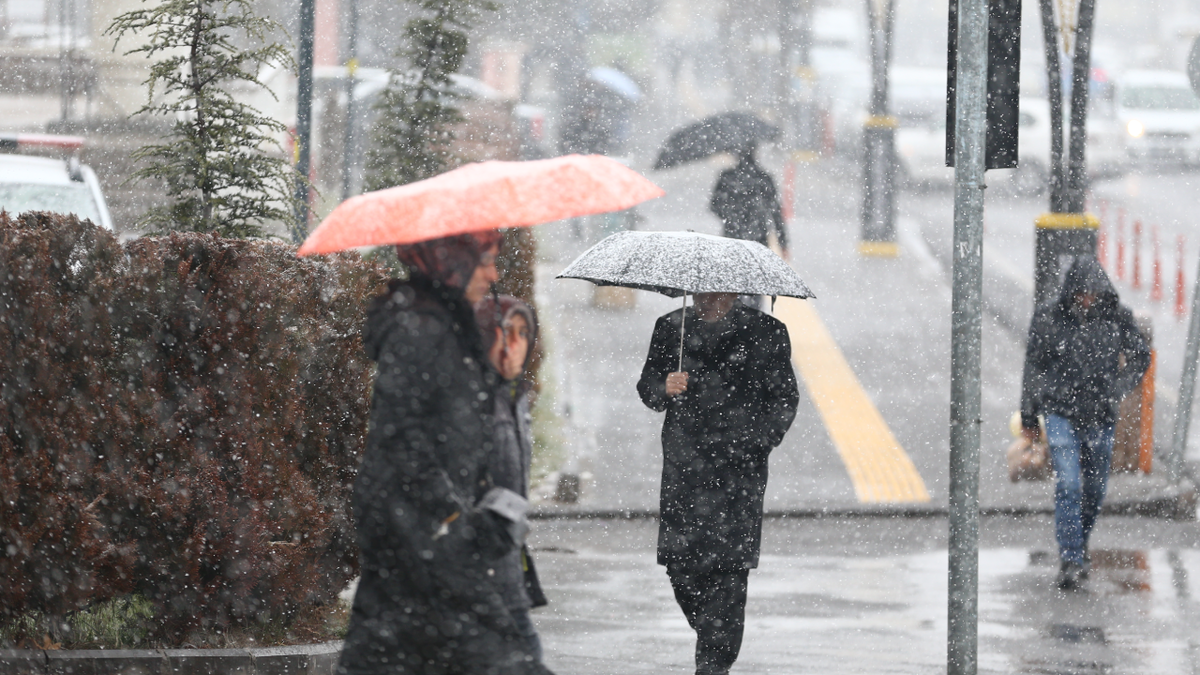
column 746, row 201
column 425, row 602
column 1072, row 359
column 741, row 400
column 508, row 464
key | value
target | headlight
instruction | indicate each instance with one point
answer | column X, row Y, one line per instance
column 1135, row 128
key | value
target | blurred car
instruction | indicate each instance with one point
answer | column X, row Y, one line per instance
column 921, row 149
column 1160, row 115
column 30, row 183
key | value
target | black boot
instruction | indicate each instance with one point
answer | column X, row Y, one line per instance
column 1070, row 575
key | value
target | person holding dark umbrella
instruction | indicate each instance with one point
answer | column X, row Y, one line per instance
column 747, row 202
column 729, row 397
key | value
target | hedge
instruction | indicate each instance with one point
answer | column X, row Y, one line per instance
column 181, row 419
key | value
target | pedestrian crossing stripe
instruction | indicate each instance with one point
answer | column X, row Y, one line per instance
column 879, row 468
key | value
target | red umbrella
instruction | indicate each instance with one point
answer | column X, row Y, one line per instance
column 478, row 197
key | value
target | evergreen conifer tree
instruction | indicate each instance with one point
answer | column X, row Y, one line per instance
column 411, row 140
column 216, row 166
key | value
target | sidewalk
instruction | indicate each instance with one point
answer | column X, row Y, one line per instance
column 868, row 595
column 1008, row 299
column 889, row 317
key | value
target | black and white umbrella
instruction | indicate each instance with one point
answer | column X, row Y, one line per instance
column 681, row 263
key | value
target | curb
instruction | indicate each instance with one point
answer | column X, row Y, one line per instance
column 318, row 659
column 1174, row 503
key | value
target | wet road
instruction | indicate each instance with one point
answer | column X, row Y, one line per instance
column 868, row 595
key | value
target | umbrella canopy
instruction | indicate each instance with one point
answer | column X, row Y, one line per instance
column 726, row 132
column 675, row 263
column 478, row 197
column 617, row 82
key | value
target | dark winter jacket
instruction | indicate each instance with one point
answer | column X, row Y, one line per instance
column 425, row 602
column 508, row 464
column 741, row 399
column 1073, row 357
column 746, row 201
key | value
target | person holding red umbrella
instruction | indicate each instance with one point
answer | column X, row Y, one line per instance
column 430, row 524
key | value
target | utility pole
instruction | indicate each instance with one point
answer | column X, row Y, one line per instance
column 1067, row 230
column 788, row 46
column 879, row 142
column 304, row 89
column 1187, row 384
column 969, row 52
column 349, row 150
column 808, row 137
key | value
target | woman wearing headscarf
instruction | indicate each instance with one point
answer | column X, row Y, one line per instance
column 509, row 330
column 426, row 602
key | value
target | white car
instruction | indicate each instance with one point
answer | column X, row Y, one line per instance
column 921, row 150
column 45, row 184
column 1160, row 115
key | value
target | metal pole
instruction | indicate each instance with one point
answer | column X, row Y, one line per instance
column 1081, row 76
column 807, row 122
column 1187, row 390
column 348, row 149
column 682, row 330
column 970, row 127
column 304, row 89
column 64, row 62
column 879, row 161
column 787, row 52
column 1054, row 90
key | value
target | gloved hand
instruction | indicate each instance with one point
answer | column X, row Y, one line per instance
column 489, row 533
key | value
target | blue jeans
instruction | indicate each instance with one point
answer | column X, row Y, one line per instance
column 1081, row 459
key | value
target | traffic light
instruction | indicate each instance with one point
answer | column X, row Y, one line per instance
column 1003, row 83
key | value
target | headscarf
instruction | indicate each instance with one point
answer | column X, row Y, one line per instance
column 495, row 311
column 449, row 261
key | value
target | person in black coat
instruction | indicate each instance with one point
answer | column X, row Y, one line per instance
column 746, row 201
column 1084, row 354
column 727, row 407
column 508, row 327
column 425, row 602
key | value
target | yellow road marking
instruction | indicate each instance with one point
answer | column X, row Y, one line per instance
column 879, row 468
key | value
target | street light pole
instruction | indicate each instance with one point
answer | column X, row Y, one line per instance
column 1066, row 231
column 879, row 142
column 348, row 137
column 304, row 88
column 970, row 124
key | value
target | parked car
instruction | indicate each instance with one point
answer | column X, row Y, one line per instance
column 1160, row 115
column 921, row 149
column 29, row 183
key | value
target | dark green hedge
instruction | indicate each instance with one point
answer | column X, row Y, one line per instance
column 181, row 418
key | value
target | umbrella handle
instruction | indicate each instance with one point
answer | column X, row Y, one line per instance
column 682, row 330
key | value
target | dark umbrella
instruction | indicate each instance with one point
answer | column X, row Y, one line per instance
column 678, row 263
column 726, row 132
